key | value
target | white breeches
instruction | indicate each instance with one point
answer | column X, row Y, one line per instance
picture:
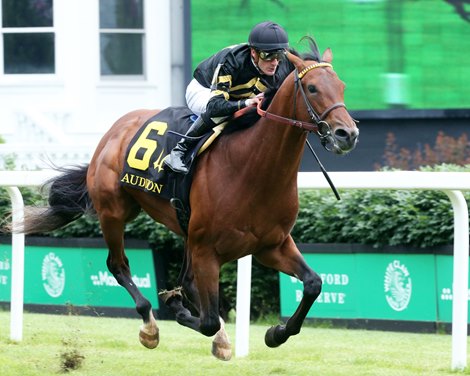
column 197, row 97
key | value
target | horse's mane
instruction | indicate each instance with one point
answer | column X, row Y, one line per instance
column 251, row 117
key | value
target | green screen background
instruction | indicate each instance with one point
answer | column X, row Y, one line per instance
column 424, row 41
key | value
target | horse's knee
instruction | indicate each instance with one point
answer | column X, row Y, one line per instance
column 313, row 285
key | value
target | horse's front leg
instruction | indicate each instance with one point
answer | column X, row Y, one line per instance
column 205, row 276
column 221, row 346
column 206, row 269
column 289, row 260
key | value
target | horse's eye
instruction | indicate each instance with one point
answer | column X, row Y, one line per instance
column 312, row 89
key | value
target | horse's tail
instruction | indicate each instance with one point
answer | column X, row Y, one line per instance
column 68, row 200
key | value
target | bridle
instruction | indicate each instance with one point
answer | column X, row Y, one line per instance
column 319, row 125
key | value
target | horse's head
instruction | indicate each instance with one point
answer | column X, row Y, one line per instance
column 319, row 97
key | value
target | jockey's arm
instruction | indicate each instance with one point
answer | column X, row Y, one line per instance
column 220, row 103
column 219, row 106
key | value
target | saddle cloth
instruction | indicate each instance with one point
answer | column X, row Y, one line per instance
column 143, row 167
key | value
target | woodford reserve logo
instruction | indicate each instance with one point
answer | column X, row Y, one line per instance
column 53, row 275
column 397, row 286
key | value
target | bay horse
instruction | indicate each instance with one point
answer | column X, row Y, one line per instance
column 243, row 198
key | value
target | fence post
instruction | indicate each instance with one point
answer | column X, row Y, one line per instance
column 17, row 267
column 460, row 281
column 242, row 325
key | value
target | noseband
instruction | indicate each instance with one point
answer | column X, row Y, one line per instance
column 319, row 126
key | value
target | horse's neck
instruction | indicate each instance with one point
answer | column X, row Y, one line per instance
column 287, row 141
column 280, row 142
column 273, row 150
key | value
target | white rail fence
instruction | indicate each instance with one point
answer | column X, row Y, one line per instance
column 452, row 183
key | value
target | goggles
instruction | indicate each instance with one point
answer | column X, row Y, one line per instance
column 270, row 56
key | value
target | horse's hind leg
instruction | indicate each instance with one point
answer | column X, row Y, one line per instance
column 289, row 260
column 118, row 265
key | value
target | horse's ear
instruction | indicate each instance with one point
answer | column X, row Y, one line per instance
column 297, row 61
column 327, row 55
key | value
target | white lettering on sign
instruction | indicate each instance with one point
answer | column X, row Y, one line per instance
column 5, row 265
column 446, row 294
column 335, row 279
column 104, row 278
column 331, row 297
column 326, row 297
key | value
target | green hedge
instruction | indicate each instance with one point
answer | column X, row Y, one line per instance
column 377, row 217
column 419, row 219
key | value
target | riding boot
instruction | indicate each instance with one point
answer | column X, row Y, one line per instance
column 176, row 159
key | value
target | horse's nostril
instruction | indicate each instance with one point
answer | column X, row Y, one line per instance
column 341, row 134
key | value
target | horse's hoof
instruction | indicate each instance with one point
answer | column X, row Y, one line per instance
column 150, row 341
column 270, row 337
column 166, row 295
column 222, row 351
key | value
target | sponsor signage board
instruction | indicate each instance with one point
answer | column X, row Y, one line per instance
column 78, row 276
column 381, row 286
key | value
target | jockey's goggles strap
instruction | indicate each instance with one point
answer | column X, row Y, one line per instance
column 270, row 56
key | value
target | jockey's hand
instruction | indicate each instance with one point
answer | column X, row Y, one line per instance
column 254, row 101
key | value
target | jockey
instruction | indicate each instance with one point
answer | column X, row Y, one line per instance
column 230, row 80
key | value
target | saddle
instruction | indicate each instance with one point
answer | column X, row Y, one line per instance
column 144, row 168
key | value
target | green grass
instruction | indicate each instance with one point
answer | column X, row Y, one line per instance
column 110, row 346
column 433, row 49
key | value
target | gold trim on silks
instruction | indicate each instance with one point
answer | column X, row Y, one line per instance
column 313, row 66
column 217, row 131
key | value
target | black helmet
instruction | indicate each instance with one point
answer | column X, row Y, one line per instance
column 268, row 36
